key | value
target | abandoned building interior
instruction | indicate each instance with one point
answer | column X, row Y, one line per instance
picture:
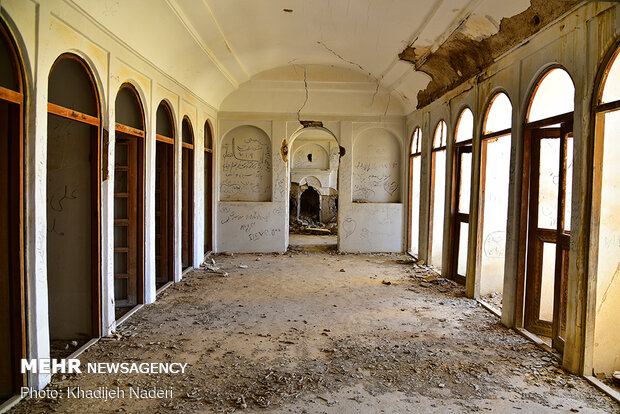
column 472, row 140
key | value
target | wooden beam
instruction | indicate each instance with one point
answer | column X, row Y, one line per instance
column 129, row 130
column 11, row 96
column 71, row 114
column 163, row 138
column 188, row 146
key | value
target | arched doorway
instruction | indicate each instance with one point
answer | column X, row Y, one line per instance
column 548, row 140
column 314, row 163
column 128, row 201
column 187, row 194
column 164, row 195
column 12, row 284
column 73, row 205
column 208, row 188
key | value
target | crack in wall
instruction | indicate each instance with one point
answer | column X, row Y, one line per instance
column 350, row 62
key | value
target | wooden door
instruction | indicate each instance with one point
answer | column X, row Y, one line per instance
column 548, row 232
column 208, row 176
column 187, row 213
column 460, row 219
column 164, row 218
column 126, row 221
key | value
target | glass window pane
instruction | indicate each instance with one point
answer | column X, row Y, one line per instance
column 547, row 283
column 465, row 183
column 548, row 183
column 611, row 90
column 415, row 204
column 438, row 206
column 465, row 127
column 499, row 116
column 554, row 95
column 569, row 183
column 463, row 246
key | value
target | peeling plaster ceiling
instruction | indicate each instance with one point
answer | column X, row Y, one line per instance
column 217, row 46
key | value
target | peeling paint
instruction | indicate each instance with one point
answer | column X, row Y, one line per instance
column 469, row 49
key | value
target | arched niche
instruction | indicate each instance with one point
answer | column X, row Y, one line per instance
column 376, row 167
column 12, row 280
column 73, row 202
column 245, row 172
column 311, row 156
column 164, row 194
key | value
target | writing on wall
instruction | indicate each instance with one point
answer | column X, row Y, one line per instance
column 376, row 167
column 245, row 172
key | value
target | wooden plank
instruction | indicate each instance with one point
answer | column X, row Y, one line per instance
column 11, row 96
column 71, row 114
column 558, row 119
column 608, row 107
column 163, row 138
column 497, row 134
column 129, row 130
column 188, row 146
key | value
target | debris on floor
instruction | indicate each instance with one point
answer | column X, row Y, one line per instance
column 283, row 339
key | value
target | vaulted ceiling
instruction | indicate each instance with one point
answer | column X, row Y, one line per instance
column 214, row 47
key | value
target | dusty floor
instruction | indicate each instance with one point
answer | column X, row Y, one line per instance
column 326, row 333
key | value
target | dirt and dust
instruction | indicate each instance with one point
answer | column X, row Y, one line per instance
column 317, row 332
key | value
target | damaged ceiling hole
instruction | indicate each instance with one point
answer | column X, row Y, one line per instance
column 310, row 157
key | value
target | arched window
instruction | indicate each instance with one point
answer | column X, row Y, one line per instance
column 438, row 193
column 128, row 200
column 187, row 194
column 548, row 141
column 465, row 126
column 494, row 182
column 554, row 95
column 606, row 182
column 415, row 162
column 461, row 196
column 164, row 194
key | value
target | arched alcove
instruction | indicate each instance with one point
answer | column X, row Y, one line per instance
column 245, row 165
column 73, row 210
column 310, row 204
column 376, row 167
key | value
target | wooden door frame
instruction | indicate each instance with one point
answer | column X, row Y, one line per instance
column 15, row 100
column 168, row 246
column 457, row 218
column 129, row 133
column 96, row 171
column 523, row 262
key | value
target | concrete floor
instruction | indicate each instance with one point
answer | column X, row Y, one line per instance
column 317, row 332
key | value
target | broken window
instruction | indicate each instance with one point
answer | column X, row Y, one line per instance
column 607, row 184
column 464, row 134
column 164, row 194
column 73, row 218
column 494, row 182
column 208, row 184
column 438, row 193
column 12, row 286
column 415, row 162
column 187, row 194
column 548, row 139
